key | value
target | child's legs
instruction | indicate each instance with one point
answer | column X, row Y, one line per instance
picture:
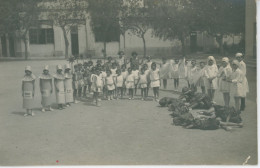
column 154, row 92
column 177, row 82
column 89, row 87
column 237, row 103
column 157, row 91
column 209, row 93
column 145, row 92
column 135, row 88
column 131, row 93
column 79, row 91
column 213, row 93
column 148, row 86
column 226, row 99
column 243, row 103
column 194, row 87
column 164, row 83
column 84, row 90
column 122, row 91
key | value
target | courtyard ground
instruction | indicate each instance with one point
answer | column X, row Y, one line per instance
column 119, row 132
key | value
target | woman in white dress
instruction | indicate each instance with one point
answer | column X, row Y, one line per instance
column 28, row 90
column 59, row 87
column 211, row 72
column 236, row 80
column 223, row 74
column 46, row 89
column 242, row 67
column 68, row 85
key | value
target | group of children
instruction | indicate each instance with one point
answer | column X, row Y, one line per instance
column 112, row 80
column 228, row 79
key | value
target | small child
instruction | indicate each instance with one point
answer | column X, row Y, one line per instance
column 194, row 75
column 110, row 85
column 104, row 75
column 130, row 83
column 113, row 69
column 175, row 74
column 28, row 90
column 149, row 62
column 124, row 74
column 119, row 80
column 46, row 89
column 77, row 83
column 96, row 86
column 143, row 83
column 85, row 78
column 155, row 81
column 147, row 73
column 68, row 85
column 164, row 72
column 201, row 82
column 59, row 87
column 135, row 72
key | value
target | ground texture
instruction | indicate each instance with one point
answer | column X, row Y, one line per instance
column 119, row 132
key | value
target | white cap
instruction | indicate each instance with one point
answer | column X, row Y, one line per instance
column 67, row 66
column 59, row 67
column 239, row 55
column 46, row 67
column 28, row 68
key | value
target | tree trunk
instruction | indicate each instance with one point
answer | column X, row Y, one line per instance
column 219, row 40
column 124, row 40
column 144, row 45
column 66, row 42
column 105, row 49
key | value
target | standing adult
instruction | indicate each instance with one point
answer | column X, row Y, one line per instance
column 68, row 85
column 59, row 87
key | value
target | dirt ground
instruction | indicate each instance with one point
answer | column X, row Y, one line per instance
column 120, row 132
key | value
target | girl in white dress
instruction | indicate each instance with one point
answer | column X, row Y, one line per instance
column 28, row 90
column 130, row 83
column 155, row 81
column 164, row 72
column 59, row 87
column 124, row 74
column 110, row 83
column 135, row 72
column 223, row 74
column 143, row 83
column 236, row 80
column 96, row 86
column 68, row 85
column 175, row 73
column 46, row 89
column 201, row 82
column 147, row 73
column 119, row 80
column 104, row 75
column 211, row 72
column 242, row 67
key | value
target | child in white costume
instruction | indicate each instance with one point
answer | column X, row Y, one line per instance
column 46, row 89
column 201, row 81
column 68, row 83
column 130, row 83
column 96, row 86
column 211, row 72
column 28, row 90
column 236, row 80
column 59, row 87
column 223, row 74
column 119, row 81
column 143, row 83
column 110, row 84
column 164, row 72
column 155, row 81
column 242, row 67
column 194, row 75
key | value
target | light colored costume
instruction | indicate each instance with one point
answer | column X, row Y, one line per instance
column 149, row 64
column 97, row 83
column 110, row 82
column 223, row 74
column 46, row 88
column 242, row 67
column 68, row 86
column 59, row 86
column 129, row 83
column 78, row 81
column 174, row 69
column 121, row 61
column 155, row 78
column 119, row 80
column 103, row 76
column 194, row 75
column 113, row 71
column 210, row 72
column 143, row 81
column 164, row 71
column 237, row 77
column 202, row 78
column 28, row 90
column 136, row 75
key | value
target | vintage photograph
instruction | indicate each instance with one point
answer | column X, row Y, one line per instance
column 128, row 82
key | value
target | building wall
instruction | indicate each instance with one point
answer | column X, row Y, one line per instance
column 250, row 28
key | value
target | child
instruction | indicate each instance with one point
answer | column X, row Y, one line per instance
column 121, row 59
column 77, row 83
column 124, row 74
column 147, row 73
column 194, row 75
column 96, row 86
column 28, row 90
column 119, row 80
column 68, row 85
column 224, row 86
column 211, row 82
column 85, row 78
column 46, row 89
column 201, row 81
column 155, row 81
column 236, row 80
column 143, row 83
column 242, row 67
column 175, row 74
column 149, row 62
column 59, row 87
column 108, row 64
column 103, row 76
column 110, row 84
column 130, row 83
column 135, row 72
column 164, row 72
column 113, row 69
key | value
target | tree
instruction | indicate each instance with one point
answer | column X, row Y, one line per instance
column 67, row 14
column 175, row 19
column 105, row 20
column 135, row 17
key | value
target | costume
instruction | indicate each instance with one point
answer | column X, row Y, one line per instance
column 46, row 89
column 110, row 83
column 211, row 71
column 119, row 81
column 28, row 91
column 237, row 87
column 68, row 86
column 155, row 78
column 143, row 81
column 96, row 83
column 223, row 74
column 60, row 89
column 129, row 83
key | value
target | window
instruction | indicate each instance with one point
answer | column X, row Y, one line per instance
column 41, row 36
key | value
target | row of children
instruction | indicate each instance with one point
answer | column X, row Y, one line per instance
column 209, row 77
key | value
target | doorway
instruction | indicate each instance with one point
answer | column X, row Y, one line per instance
column 74, row 41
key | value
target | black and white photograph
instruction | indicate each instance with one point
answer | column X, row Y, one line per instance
column 128, row 82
